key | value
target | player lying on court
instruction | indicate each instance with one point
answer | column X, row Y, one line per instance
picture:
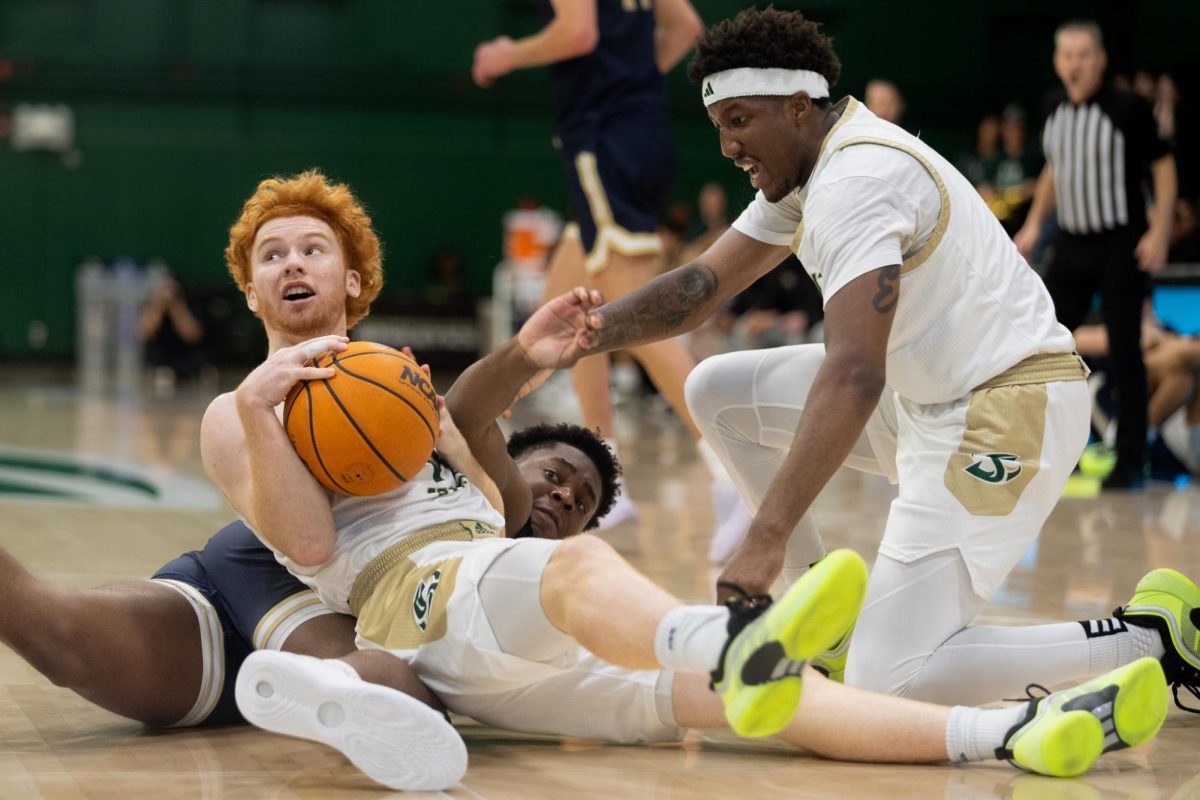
column 556, row 634
column 94, row 640
column 943, row 368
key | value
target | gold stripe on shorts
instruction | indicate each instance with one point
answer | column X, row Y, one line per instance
column 369, row 577
column 1040, row 368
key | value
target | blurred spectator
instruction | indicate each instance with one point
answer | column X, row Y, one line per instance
column 780, row 308
column 979, row 165
column 1016, row 170
column 885, row 101
column 1143, row 85
column 713, row 203
column 450, row 291
column 673, row 230
column 173, row 336
column 1172, row 362
column 1166, row 98
column 1185, row 233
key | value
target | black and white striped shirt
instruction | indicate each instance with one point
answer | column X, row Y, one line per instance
column 1099, row 153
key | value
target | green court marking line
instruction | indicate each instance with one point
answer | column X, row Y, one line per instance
column 10, row 488
column 102, row 474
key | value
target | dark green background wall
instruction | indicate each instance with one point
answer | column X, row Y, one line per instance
column 182, row 105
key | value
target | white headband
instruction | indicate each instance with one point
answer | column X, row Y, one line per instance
column 749, row 81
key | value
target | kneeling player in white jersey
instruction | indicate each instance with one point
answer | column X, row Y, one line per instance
column 985, row 407
column 496, row 625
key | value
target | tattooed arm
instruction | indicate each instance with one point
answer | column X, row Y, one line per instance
column 679, row 300
column 858, row 320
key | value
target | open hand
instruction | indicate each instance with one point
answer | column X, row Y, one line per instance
column 563, row 330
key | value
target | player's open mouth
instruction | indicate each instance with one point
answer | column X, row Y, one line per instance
column 296, row 292
column 751, row 169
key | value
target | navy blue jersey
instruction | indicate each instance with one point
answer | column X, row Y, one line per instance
column 618, row 78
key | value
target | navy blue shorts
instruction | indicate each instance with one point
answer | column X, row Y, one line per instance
column 619, row 183
column 249, row 601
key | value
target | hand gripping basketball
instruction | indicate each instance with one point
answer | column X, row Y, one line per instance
column 270, row 382
column 369, row 426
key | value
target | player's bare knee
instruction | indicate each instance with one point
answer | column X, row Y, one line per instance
column 575, row 561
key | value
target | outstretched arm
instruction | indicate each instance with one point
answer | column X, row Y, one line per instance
column 671, row 304
column 486, row 389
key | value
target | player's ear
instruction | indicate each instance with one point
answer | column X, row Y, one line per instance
column 251, row 298
column 798, row 105
column 353, row 283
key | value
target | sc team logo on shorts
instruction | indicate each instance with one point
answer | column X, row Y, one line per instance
column 994, row 467
column 423, row 599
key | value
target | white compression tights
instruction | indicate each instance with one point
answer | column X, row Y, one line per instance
column 911, row 638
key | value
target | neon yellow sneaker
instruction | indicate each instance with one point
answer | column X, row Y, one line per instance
column 832, row 663
column 1169, row 602
column 1064, row 733
column 759, row 673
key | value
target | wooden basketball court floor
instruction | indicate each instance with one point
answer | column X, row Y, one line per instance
column 55, row 745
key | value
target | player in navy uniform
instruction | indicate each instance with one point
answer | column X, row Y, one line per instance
column 607, row 60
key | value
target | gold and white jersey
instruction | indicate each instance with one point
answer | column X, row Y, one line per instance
column 970, row 306
column 366, row 526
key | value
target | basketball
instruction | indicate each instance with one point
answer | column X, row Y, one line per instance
column 369, row 428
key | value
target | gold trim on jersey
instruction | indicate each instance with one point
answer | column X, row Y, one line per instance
column 1040, row 368
column 284, row 615
column 1001, row 448
column 943, row 221
column 609, row 235
column 382, row 564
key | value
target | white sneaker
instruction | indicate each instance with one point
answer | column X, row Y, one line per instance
column 395, row 739
column 623, row 510
column 733, row 520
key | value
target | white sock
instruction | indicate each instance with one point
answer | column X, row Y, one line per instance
column 690, row 638
column 1113, row 643
column 343, row 666
column 973, row 734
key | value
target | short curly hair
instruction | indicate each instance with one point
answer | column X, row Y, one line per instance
column 311, row 194
column 765, row 39
column 586, row 441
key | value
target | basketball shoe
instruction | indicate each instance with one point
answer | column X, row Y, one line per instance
column 395, row 739
column 1062, row 734
column 1169, row 602
column 759, row 672
column 832, row 662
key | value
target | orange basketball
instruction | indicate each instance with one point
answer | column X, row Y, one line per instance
column 370, row 427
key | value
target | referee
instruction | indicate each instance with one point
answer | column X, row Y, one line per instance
column 1101, row 144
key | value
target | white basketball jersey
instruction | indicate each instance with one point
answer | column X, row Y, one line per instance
column 366, row 526
column 969, row 307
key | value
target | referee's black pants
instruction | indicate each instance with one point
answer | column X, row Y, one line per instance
column 1104, row 263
